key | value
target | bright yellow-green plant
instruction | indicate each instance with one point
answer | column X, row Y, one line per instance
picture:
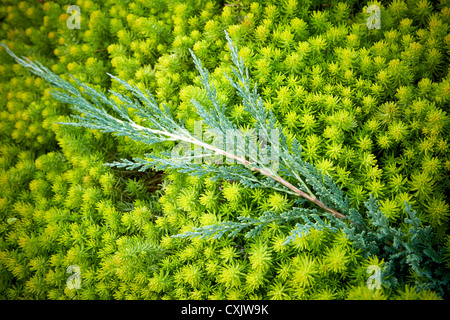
column 369, row 107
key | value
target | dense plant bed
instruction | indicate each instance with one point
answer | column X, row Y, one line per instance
column 367, row 106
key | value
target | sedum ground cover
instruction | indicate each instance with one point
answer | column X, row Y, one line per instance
column 369, row 107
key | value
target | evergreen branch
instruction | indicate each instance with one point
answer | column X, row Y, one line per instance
column 162, row 126
column 232, row 228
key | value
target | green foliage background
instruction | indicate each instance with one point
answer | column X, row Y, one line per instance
column 369, row 106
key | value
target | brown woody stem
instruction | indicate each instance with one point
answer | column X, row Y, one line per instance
column 247, row 163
